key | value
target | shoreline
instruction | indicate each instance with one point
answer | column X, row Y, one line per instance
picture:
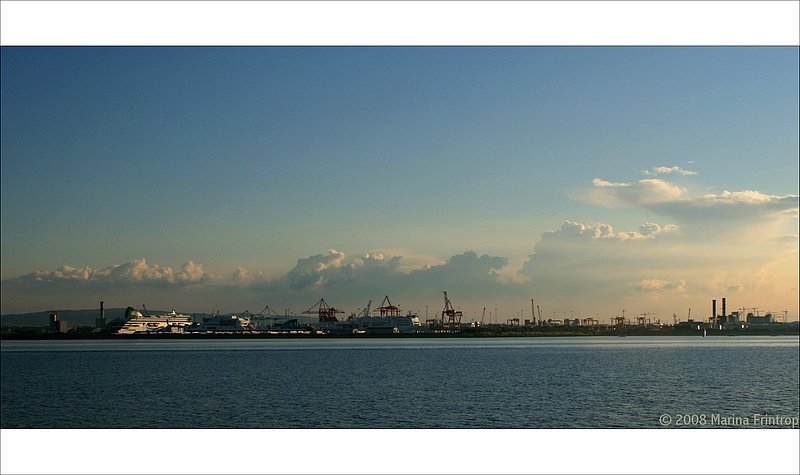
column 471, row 333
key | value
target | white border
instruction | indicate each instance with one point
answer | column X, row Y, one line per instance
column 400, row 451
column 399, row 23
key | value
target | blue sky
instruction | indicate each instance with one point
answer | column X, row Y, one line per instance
column 251, row 163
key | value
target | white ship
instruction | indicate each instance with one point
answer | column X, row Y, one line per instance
column 222, row 324
column 389, row 320
column 136, row 322
column 390, row 324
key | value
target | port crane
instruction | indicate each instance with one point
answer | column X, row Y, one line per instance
column 387, row 309
column 266, row 317
column 451, row 318
column 326, row 312
column 362, row 313
column 589, row 322
column 643, row 319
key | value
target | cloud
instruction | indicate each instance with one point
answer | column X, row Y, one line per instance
column 571, row 230
column 643, row 192
column 373, row 274
column 136, row 272
column 669, row 170
column 595, row 263
column 240, row 274
column 651, row 285
column 587, row 267
column 314, row 271
column 730, row 206
column 673, row 200
column 346, row 282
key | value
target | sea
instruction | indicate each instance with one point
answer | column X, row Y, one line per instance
column 397, row 383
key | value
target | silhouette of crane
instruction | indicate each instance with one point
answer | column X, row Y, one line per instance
column 451, row 318
column 326, row 312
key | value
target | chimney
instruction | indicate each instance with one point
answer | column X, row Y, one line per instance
column 103, row 311
column 714, row 311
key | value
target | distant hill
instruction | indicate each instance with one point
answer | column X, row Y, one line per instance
column 84, row 318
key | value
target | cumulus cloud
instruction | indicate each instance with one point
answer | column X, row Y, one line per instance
column 596, row 268
column 571, row 230
column 343, row 280
column 669, row 170
column 313, row 271
column 135, row 272
column 673, row 200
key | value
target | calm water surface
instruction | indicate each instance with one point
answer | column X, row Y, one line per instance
column 582, row 382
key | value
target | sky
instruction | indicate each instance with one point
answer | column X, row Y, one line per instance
column 590, row 179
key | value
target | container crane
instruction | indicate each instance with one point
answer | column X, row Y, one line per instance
column 643, row 319
column 364, row 312
column 266, row 317
column 387, row 309
column 326, row 312
column 451, row 318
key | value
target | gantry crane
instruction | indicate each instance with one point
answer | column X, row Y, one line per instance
column 326, row 312
column 363, row 312
column 642, row 319
column 387, row 309
column 265, row 318
column 451, row 318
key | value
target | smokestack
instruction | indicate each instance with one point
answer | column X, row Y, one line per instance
column 724, row 313
column 714, row 311
column 102, row 311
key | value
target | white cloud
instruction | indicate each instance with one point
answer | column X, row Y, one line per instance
column 643, row 192
column 137, row 271
column 673, row 200
column 669, row 170
column 571, row 230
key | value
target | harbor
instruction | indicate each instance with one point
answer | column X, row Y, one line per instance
column 322, row 320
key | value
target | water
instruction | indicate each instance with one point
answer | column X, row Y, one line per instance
column 583, row 382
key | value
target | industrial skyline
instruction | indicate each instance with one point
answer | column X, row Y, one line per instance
column 592, row 179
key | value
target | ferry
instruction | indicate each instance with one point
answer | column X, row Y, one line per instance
column 222, row 324
column 136, row 322
column 389, row 321
column 409, row 323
